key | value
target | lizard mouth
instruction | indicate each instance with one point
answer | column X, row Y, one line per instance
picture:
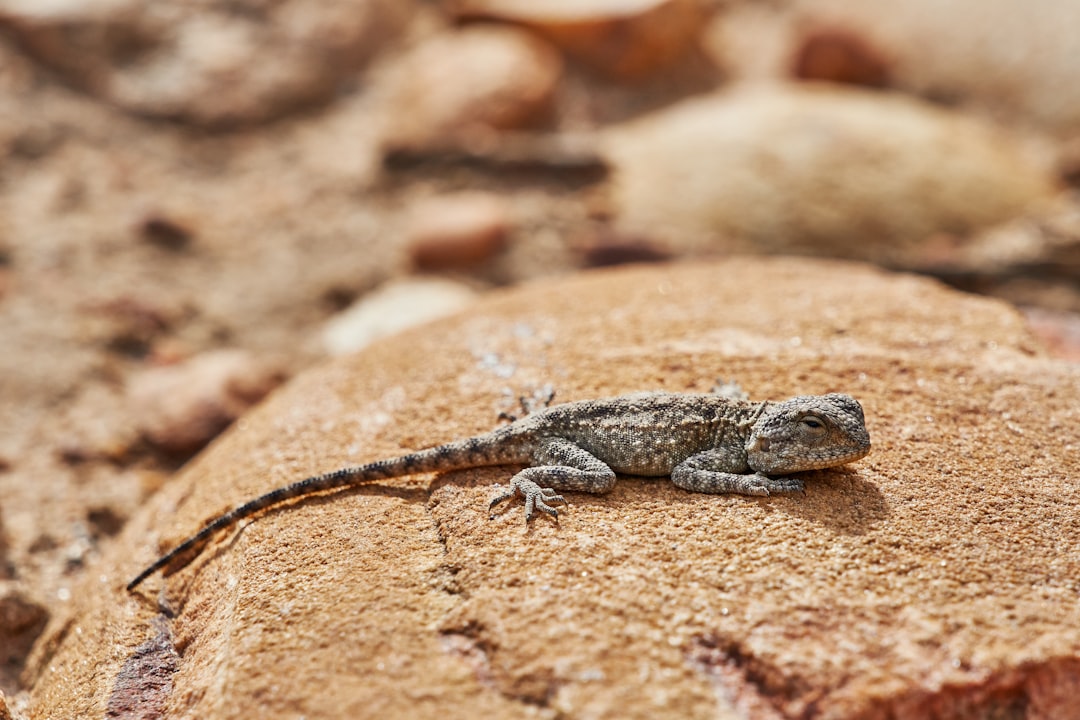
column 835, row 460
column 843, row 458
column 771, row 464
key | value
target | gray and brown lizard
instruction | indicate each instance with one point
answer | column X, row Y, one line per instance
column 706, row 443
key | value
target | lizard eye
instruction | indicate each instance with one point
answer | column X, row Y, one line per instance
column 813, row 423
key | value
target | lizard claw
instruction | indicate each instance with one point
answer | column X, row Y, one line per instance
column 763, row 486
column 536, row 498
column 787, row 484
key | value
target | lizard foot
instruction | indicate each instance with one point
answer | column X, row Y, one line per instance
column 762, row 485
column 536, row 497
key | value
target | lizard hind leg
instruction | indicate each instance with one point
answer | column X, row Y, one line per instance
column 560, row 465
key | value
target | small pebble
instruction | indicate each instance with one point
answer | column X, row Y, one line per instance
column 456, row 231
column 393, row 308
column 840, row 56
column 165, row 232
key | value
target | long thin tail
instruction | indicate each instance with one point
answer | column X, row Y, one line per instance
column 492, row 449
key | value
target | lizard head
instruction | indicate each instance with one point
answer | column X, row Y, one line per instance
column 807, row 433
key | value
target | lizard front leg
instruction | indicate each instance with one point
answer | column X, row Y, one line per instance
column 560, row 464
column 710, row 472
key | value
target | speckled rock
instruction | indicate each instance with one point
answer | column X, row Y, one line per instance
column 935, row 578
column 207, row 62
column 817, row 170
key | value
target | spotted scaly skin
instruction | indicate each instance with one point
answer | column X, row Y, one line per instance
column 705, row 443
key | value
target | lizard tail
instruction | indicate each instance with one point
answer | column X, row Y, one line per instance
column 491, row 449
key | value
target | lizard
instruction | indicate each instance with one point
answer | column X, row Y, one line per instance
column 706, row 443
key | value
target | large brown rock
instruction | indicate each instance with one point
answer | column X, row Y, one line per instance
column 936, row 578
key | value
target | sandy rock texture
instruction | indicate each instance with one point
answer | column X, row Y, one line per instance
column 935, row 578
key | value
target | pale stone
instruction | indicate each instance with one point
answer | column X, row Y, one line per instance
column 818, row 171
column 392, row 308
column 458, row 84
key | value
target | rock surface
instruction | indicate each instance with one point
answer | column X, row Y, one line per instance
column 936, row 578
column 817, row 170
